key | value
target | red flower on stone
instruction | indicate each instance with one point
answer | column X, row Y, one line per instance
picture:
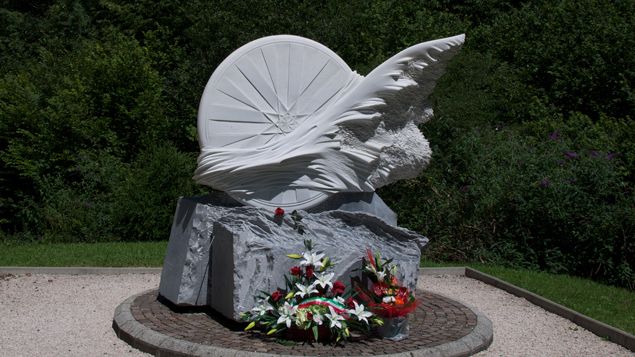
column 309, row 271
column 338, row 288
column 350, row 302
column 279, row 211
column 276, row 295
column 297, row 271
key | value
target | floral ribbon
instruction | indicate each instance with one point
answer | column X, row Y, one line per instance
column 337, row 307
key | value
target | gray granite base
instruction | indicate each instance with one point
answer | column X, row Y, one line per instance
column 220, row 253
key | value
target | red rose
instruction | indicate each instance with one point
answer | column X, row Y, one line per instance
column 279, row 211
column 276, row 295
column 350, row 302
column 309, row 271
column 297, row 271
column 338, row 288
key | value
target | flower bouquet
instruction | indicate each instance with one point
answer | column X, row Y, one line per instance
column 385, row 297
column 311, row 307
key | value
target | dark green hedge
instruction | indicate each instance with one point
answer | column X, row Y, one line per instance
column 533, row 134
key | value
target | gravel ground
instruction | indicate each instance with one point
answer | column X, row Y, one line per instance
column 520, row 327
column 63, row 315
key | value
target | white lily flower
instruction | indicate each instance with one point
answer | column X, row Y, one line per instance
column 324, row 280
column 388, row 299
column 318, row 319
column 335, row 318
column 340, row 300
column 381, row 275
column 305, row 290
column 286, row 314
column 312, row 259
column 263, row 308
column 361, row 313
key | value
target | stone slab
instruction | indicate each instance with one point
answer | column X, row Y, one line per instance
column 186, row 264
column 184, row 278
column 249, row 251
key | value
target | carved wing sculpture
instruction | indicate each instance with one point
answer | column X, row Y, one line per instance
column 284, row 122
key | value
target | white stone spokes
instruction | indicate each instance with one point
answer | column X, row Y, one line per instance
column 284, row 122
column 260, row 94
column 265, row 89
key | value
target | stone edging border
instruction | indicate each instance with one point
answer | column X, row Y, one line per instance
column 78, row 270
column 599, row 328
column 147, row 340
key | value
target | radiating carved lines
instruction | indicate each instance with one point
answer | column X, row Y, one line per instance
column 297, row 99
column 258, row 90
column 261, row 78
column 262, row 53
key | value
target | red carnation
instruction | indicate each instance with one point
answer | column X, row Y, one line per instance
column 338, row 288
column 279, row 211
column 276, row 295
column 309, row 271
column 297, row 271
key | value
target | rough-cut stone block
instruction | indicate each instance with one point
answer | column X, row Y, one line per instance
column 248, row 252
column 185, row 268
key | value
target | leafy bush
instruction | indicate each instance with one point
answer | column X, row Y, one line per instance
column 532, row 139
column 550, row 197
column 145, row 200
column 578, row 53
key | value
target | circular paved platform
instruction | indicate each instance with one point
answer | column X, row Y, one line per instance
column 440, row 326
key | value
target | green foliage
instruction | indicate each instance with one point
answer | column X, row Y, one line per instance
column 145, row 200
column 578, row 53
column 551, row 196
column 608, row 304
column 533, row 143
column 98, row 103
column 104, row 254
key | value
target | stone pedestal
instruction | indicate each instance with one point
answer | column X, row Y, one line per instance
column 221, row 254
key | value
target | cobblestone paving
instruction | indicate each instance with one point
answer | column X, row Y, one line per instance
column 436, row 321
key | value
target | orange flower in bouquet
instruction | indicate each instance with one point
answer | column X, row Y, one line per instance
column 383, row 294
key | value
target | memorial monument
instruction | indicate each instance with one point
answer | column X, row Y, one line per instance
column 285, row 123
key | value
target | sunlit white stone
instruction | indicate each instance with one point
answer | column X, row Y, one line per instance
column 284, row 122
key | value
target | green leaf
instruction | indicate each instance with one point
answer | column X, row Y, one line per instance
column 272, row 331
column 315, row 333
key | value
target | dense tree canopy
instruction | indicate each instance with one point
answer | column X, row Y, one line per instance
column 533, row 138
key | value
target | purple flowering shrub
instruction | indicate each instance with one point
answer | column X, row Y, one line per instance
column 554, row 196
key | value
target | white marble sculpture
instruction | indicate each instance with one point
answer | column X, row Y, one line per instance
column 284, row 122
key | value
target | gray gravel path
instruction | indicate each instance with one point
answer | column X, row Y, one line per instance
column 64, row 315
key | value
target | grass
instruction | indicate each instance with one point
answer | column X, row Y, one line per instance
column 115, row 254
column 611, row 305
